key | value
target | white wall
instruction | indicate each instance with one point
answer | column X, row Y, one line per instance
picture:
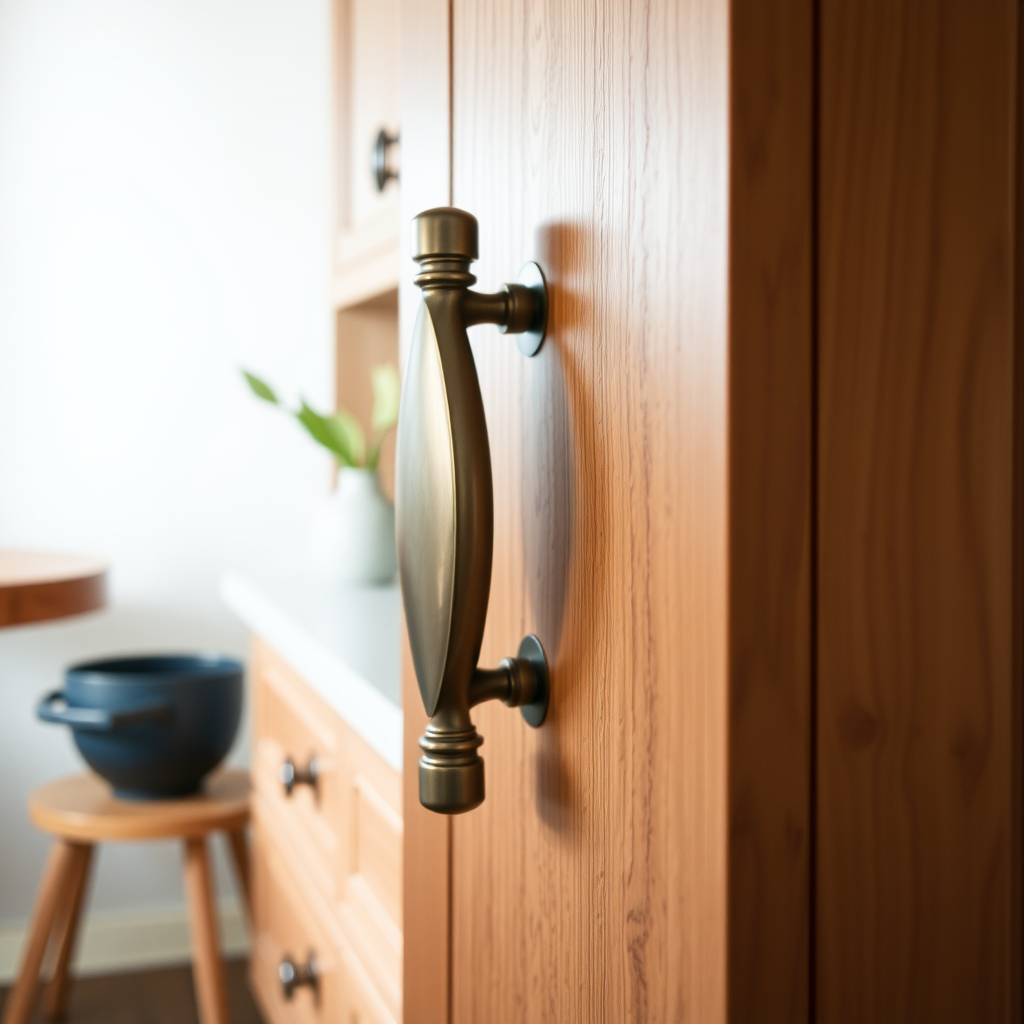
column 164, row 216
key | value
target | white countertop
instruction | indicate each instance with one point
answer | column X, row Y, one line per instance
column 343, row 641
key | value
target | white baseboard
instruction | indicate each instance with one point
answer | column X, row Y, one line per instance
column 110, row 943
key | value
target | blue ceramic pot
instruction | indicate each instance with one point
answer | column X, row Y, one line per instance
column 152, row 726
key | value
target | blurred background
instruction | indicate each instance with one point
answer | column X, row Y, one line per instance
column 165, row 219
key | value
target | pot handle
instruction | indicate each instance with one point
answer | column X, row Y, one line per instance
column 55, row 708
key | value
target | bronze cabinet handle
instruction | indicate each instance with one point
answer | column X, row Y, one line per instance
column 444, row 507
column 291, row 776
column 382, row 166
column 293, row 976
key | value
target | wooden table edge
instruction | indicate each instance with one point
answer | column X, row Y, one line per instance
column 22, row 603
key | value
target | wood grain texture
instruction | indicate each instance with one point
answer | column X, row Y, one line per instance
column 36, row 586
column 770, row 503
column 918, row 883
column 426, row 182
column 591, row 884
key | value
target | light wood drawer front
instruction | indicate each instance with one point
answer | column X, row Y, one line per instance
column 362, row 1005
column 286, row 926
column 347, row 845
column 292, row 722
column 371, row 908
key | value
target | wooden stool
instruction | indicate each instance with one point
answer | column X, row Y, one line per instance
column 80, row 811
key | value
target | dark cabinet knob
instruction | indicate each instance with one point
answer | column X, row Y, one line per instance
column 384, row 164
column 293, row 976
column 291, row 776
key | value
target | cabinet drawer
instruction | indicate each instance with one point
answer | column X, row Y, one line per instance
column 284, row 925
column 345, row 841
column 291, row 722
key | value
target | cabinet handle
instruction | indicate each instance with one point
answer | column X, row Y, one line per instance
column 444, row 507
column 381, row 166
column 293, row 976
column 292, row 776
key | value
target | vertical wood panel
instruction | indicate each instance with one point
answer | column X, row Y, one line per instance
column 917, row 878
column 591, row 884
column 425, row 182
column 366, row 336
column 770, row 457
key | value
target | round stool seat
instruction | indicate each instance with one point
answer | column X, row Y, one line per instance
column 82, row 809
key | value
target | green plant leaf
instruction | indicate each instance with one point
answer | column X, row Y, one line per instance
column 385, row 397
column 342, row 425
column 261, row 389
column 339, row 434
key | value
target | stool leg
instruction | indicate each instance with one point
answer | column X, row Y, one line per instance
column 207, row 966
column 65, row 932
column 240, row 857
column 52, row 892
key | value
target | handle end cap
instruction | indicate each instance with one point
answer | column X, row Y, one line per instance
column 451, row 789
column 444, row 231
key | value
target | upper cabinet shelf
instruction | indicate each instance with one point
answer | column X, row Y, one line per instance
column 366, row 90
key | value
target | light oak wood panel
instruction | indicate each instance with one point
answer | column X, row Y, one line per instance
column 360, row 1004
column 372, row 893
column 287, row 924
column 591, row 884
column 918, row 887
column 367, row 335
column 345, row 841
column 366, row 260
column 770, row 504
column 377, row 846
column 292, row 916
column 292, row 721
column 372, row 58
column 366, row 47
column 426, row 182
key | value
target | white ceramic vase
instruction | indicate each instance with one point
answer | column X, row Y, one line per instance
column 352, row 535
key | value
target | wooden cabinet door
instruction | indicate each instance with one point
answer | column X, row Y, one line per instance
column 759, row 495
column 590, row 886
column 919, row 601
column 594, row 884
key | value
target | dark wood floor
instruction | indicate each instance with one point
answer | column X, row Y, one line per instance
column 150, row 997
